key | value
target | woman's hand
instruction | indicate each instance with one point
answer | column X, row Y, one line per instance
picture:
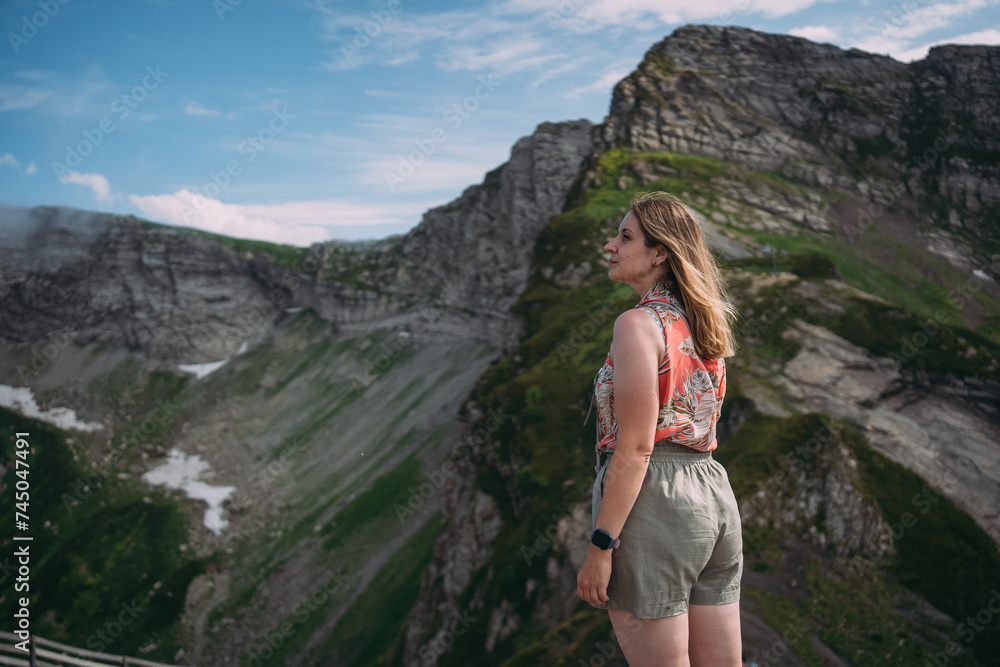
column 592, row 581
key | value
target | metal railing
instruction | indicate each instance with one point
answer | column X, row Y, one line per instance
column 47, row 653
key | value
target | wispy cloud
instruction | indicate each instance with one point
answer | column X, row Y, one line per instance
column 9, row 160
column 295, row 223
column 593, row 14
column 56, row 95
column 990, row 36
column 555, row 72
column 195, row 109
column 455, row 39
column 897, row 32
column 816, row 33
column 606, row 82
column 16, row 98
column 907, row 25
column 503, row 55
column 96, row 182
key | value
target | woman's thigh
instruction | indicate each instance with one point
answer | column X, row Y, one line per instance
column 652, row 642
column 715, row 638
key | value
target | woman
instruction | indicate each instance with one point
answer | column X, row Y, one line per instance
column 666, row 555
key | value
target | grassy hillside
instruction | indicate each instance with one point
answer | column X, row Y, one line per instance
column 547, row 383
column 102, row 547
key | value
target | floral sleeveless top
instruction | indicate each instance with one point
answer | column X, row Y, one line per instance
column 691, row 389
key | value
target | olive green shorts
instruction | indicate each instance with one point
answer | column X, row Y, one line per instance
column 682, row 543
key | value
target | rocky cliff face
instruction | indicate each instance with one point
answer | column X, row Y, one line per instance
column 189, row 298
column 768, row 137
column 853, row 134
column 479, row 247
column 825, row 117
column 94, row 305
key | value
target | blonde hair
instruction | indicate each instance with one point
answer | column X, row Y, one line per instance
column 665, row 219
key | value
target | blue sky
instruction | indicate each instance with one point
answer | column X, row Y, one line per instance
column 296, row 121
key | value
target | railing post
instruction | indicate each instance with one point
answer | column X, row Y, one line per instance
column 124, row 662
column 31, row 650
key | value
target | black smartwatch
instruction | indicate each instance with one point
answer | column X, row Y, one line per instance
column 603, row 540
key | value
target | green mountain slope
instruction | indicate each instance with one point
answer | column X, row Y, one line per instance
column 540, row 470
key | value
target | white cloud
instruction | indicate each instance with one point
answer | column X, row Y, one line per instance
column 989, row 37
column 58, row 96
column 900, row 24
column 606, row 82
column 553, row 72
column 502, row 55
column 598, row 13
column 895, row 31
column 17, row 98
column 512, row 35
column 816, row 33
column 96, row 182
column 196, row 109
column 393, row 94
column 295, row 223
column 8, row 160
column 457, row 39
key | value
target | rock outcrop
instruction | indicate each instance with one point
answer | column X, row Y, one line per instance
column 815, row 112
column 850, row 139
column 848, row 126
column 189, row 297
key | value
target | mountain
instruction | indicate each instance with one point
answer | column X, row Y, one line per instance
column 400, row 422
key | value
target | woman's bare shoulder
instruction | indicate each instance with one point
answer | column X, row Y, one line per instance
column 635, row 328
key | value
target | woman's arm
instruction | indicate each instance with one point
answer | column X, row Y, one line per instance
column 637, row 349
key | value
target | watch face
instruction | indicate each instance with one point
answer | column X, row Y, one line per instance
column 601, row 539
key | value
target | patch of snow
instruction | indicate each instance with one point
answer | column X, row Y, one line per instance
column 983, row 276
column 201, row 370
column 295, row 309
column 181, row 472
column 22, row 400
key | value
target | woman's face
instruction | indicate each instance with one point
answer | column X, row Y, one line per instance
column 630, row 260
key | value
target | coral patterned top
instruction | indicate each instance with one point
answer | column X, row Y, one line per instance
column 691, row 389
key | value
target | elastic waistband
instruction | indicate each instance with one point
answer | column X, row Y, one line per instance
column 672, row 451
